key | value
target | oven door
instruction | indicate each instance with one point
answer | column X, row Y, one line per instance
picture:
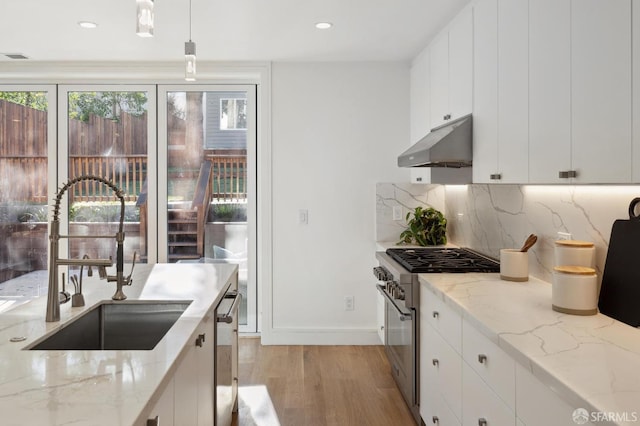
column 400, row 334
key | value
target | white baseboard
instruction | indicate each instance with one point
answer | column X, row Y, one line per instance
column 297, row 336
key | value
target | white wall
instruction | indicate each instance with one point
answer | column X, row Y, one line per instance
column 337, row 129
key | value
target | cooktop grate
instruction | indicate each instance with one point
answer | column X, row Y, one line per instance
column 438, row 259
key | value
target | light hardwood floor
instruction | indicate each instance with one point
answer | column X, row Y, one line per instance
column 317, row 386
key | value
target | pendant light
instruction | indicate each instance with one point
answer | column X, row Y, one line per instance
column 190, row 54
column 144, row 22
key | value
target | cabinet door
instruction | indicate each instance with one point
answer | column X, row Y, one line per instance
column 485, row 90
column 461, row 64
column 163, row 409
column 601, row 90
column 513, row 91
column 205, row 362
column 439, row 77
column 549, row 90
column 481, row 403
column 491, row 363
column 446, row 366
column 636, row 92
column 419, row 99
column 420, row 109
column 186, row 389
column 531, row 395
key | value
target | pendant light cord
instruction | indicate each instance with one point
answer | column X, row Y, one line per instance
column 189, row 20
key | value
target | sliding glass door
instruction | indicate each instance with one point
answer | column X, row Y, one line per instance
column 27, row 163
column 108, row 132
column 207, row 165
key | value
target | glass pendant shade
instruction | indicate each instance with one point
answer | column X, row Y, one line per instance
column 190, row 61
column 144, row 23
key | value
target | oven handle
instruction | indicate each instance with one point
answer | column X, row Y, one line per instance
column 228, row 317
column 403, row 316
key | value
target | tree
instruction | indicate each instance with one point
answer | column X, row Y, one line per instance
column 106, row 104
column 35, row 100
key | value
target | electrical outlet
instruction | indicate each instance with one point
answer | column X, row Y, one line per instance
column 564, row 236
column 397, row 212
column 348, row 303
column 303, row 217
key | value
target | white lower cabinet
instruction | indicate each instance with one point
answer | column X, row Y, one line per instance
column 537, row 405
column 492, row 364
column 188, row 398
column 481, row 406
column 162, row 412
column 480, row 384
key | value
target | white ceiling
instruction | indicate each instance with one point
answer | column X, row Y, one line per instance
column 235, row 30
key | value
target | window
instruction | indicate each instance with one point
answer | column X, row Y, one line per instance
column 233, row 114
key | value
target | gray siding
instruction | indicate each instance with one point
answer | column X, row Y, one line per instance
column 214, row 137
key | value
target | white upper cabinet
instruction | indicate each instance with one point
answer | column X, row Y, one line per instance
column 601, row 90
column 636, row 91
column 513, row 90
column 452, row 70
column 549, row 89
column 439, row 79
column 485, row 91
column 419, row 109
column 461, row 64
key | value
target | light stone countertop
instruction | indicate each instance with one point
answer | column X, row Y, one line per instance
column 592, row 362
column 114, row 387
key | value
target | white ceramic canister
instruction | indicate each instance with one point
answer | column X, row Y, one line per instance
column 514, row 265
column 573, row 252
column 575, row 290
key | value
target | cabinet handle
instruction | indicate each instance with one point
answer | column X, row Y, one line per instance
column 566, row 174
column 447, row 117
column 435, row 420
column 482, row 358
column 418, row 179
column 495, row 176
column 201, row 336
column 435, row 314
column 435, row 362
column 482, row 422
column 199, row 341
column 154, row 422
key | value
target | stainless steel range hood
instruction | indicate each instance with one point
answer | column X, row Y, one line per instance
column 449, row 146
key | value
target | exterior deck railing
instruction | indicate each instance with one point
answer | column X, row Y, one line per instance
column 28, row 177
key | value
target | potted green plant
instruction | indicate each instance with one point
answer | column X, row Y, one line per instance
column 425, row 227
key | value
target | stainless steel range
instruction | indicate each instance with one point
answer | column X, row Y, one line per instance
column 398, row 270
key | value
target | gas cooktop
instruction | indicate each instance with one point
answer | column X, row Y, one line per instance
column 438, row 259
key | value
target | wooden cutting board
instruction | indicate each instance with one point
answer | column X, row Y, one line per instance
column 620, row 291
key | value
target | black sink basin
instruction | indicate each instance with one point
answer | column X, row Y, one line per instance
column 135, row 325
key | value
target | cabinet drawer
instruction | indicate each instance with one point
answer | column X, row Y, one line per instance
column 441, row 415
column 444, row 368
column 481, row 406
column 444, row 319
column 532, row 395
column 491, row 363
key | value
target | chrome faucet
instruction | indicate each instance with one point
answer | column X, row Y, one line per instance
column 53, row 298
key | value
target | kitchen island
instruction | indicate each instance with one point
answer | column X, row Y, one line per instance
column 103, row 387
column 534, row 364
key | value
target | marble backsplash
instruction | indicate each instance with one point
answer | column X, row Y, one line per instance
column 487, row 218
column 408, row 197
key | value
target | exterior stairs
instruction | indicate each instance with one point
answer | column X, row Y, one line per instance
column 183, row 234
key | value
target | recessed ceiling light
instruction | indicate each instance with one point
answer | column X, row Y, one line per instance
column 324, row 25
column 87, row 24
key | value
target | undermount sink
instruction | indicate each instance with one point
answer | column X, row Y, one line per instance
column 130, row 325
